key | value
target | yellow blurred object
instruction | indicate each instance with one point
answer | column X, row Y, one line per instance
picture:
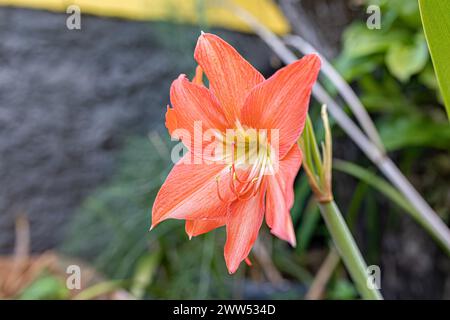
column 208, row 12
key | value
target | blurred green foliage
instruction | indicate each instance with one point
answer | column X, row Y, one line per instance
column 394, row 77
column 391, row 71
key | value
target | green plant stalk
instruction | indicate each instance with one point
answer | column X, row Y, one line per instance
column 348, row 250
column 322, row 189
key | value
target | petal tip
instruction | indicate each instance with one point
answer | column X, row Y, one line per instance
column 205, row 34
column 181, row 77
column 288, row 237
column 315, row 59
column 231, row 271
column 156, row 218
column 293, row 243
column 232, row 266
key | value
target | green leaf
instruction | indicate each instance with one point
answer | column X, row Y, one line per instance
column 415, row 132
column 436, row 23
column 404, row 60
column 99, row 289
column 384, row 95
column 351, row 68
column 408, row 11
column 359, row 41
column 45, row 287
column 428, row 77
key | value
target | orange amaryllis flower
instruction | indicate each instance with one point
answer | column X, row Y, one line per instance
column 229, row 188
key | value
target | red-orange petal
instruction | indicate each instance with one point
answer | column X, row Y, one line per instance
column 280, row 196
column 191, row 192
column 289, row 168
column 197, row 227
column 193, row 107
column 281, row 102
column 230, row 76
column 244, row 221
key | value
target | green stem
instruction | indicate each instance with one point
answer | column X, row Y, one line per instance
column 348, row 250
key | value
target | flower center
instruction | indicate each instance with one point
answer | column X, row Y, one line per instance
column 249, row 155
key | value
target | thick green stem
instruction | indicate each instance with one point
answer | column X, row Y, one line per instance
column 348, row 250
